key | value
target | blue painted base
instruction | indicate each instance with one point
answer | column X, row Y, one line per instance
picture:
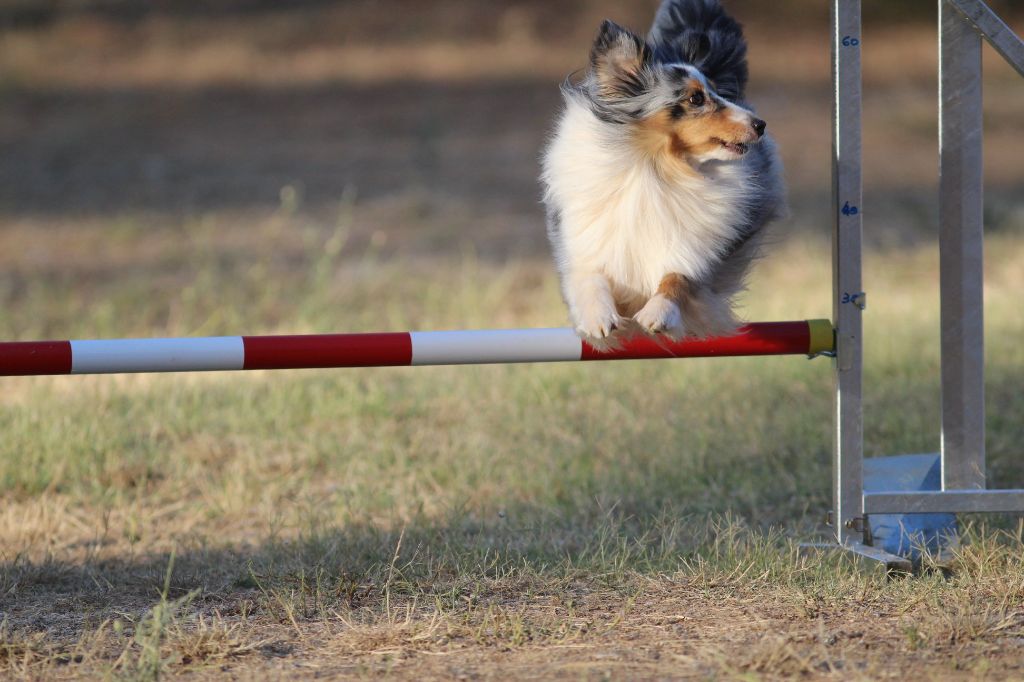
column 908, row 534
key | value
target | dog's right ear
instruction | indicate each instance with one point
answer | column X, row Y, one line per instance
column 618, row 59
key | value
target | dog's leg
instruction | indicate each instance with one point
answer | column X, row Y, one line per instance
column 683, row 308
column 662, row 314
column 591, row 305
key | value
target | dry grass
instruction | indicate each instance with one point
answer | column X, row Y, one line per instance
column 638, row 521
column 536, row 521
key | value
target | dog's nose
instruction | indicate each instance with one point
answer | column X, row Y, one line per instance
column 759, row 127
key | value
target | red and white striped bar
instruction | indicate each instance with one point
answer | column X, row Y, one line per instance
column 506, row 346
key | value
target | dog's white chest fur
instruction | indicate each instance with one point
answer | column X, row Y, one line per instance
column 624, row 216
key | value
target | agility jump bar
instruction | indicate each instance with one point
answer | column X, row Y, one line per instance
column 504, row 346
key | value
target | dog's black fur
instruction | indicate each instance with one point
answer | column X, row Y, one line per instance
column 699, row 32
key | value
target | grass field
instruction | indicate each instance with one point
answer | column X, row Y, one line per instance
column 634, row 519
column 618, row 520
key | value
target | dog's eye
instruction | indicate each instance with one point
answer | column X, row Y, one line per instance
column 697, row 99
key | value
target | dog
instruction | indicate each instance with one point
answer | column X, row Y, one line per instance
column 659, row 179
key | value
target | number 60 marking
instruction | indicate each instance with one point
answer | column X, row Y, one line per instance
column 850, row 41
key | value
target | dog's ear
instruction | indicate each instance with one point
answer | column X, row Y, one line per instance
column 618, row 59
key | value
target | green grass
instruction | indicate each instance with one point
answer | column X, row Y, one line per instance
column 440, row 509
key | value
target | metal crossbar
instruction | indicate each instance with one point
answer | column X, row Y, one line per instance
column 939, row 501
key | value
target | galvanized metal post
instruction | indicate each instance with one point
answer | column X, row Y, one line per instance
column 848, row 299
column 961, row 252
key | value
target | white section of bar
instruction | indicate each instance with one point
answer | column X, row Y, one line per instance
column 495, row 346
column 157, row 355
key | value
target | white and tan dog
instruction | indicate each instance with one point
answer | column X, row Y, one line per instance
column 659, row 179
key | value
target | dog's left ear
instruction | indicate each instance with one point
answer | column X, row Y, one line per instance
column 618, row 59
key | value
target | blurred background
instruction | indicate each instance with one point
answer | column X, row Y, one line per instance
column 291, row 166
column 130, row 129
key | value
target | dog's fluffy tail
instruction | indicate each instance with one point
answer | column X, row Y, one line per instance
column 699, row 32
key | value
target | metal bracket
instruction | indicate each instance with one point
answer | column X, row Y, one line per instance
column 994, row 30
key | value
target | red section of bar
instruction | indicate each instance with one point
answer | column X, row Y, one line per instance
column 328, row 350
column 34, row 358
column 763, row 338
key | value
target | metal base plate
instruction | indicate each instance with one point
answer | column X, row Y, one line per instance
column 870, row 557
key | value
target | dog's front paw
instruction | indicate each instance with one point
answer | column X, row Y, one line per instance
column 598, row 322
column 660, row 316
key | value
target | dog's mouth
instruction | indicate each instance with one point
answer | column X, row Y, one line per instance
column 737, row 148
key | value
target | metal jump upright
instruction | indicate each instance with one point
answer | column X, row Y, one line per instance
column 962, row 25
